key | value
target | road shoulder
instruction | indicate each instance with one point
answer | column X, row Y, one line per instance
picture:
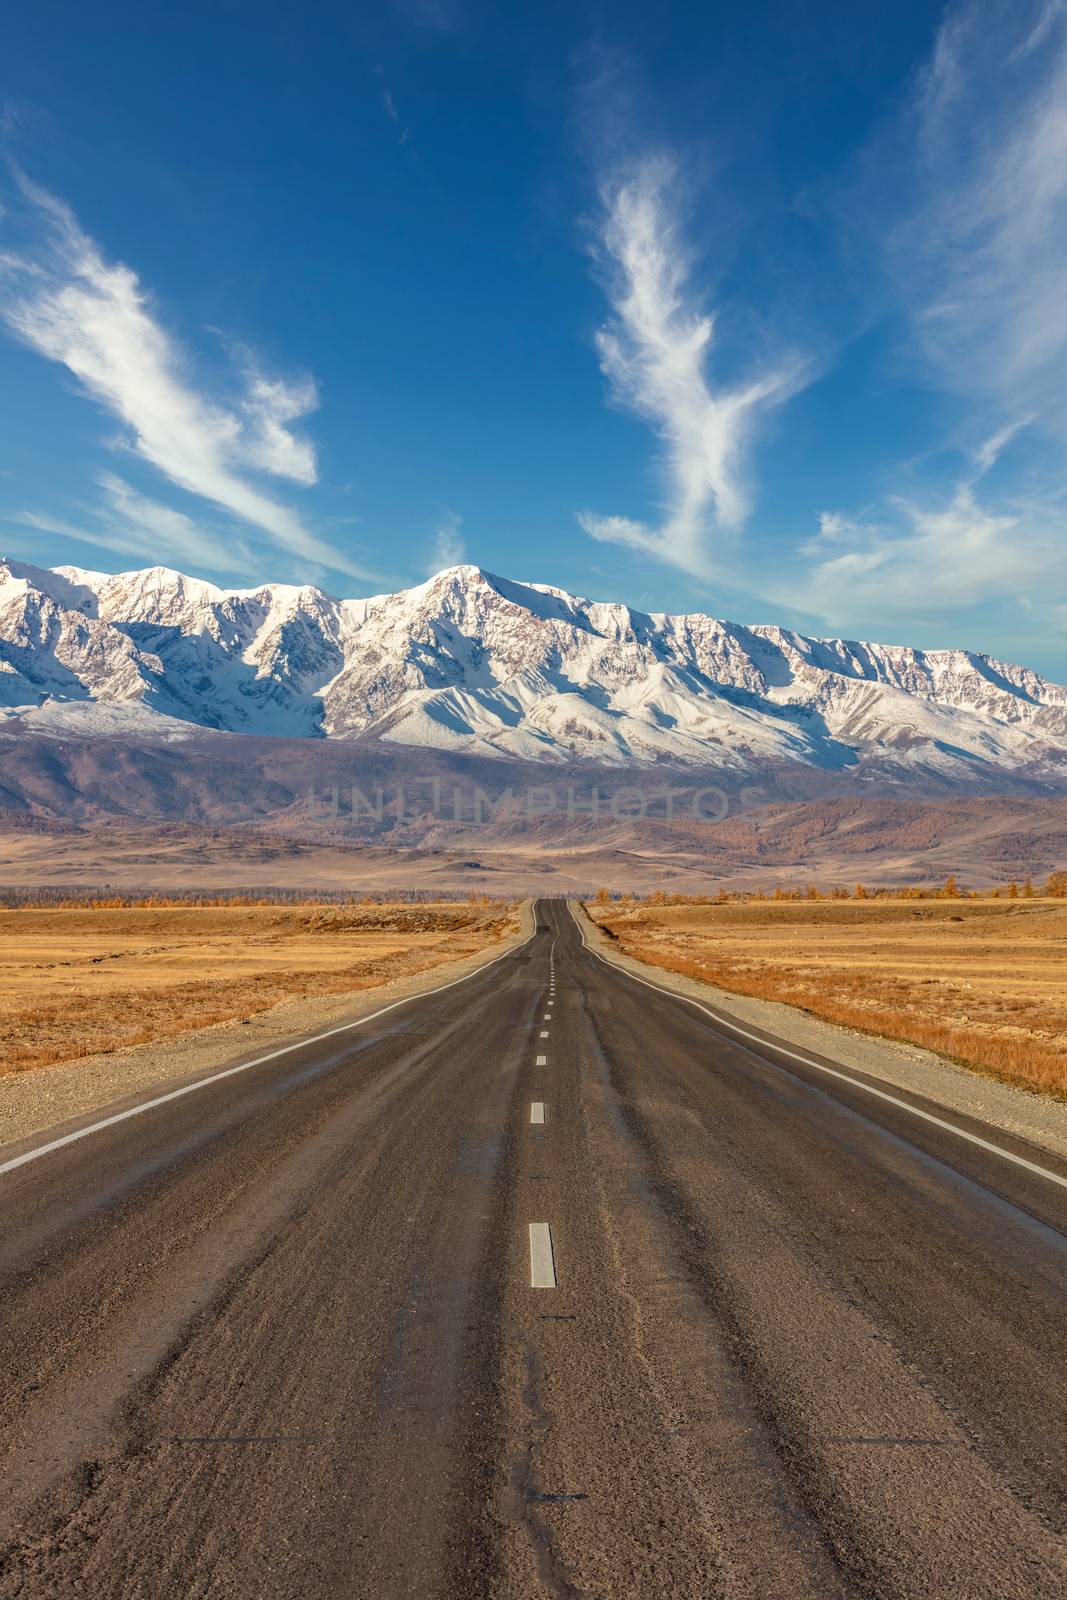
column 41, row 1099
column 1037, row 1118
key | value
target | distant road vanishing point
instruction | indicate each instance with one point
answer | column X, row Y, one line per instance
column 543, row 1283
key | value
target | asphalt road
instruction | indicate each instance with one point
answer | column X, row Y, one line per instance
column 278, row 1336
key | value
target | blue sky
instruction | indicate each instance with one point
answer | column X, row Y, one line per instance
column 756, row 311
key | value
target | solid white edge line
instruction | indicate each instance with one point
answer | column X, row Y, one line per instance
column 537, row 1112
column 831, row 1072
column 244, row 1066
column 542, row 1261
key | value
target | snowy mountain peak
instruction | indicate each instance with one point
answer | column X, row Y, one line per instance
column 468, row 661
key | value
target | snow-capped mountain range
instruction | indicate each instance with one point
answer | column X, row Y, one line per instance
column 471, row 663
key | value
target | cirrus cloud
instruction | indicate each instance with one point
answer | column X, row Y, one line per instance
column 64, row 300
column 976, row 232
column 655, row 353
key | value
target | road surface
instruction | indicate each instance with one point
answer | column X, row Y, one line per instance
column 544, row 1284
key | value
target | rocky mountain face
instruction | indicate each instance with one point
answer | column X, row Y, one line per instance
column 471, row 664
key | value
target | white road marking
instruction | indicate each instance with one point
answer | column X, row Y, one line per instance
column 547, row 1018
column 542, row 1262
column 537, row 1111
column 243, row 1066
column 833, row 1072
column 544, row 1033
column 542, row 1061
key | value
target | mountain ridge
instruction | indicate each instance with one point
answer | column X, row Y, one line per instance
column 471, row 663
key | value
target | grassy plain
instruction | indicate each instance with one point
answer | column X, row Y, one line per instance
column 981, row 981
column 78, row 981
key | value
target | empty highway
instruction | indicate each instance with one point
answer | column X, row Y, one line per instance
column 546, row 1283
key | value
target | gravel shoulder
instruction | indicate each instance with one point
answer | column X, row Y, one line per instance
column 39, row 1100
column 1037, row 1118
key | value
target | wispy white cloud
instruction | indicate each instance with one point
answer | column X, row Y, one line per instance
column 978, row 252
column 656, row 355
column 64, row 300
column 389, row 107
column 988, row 452
column 939, row 558
column 268, row 406
column 449, row 546
column 966, row 193
column 167, row 533
column 132, row 524
column 926, row 559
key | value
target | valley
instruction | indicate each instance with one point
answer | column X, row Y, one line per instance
column 984, row 841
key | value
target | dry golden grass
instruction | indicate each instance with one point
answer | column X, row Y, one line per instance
column 984, row 982
column 75, row 982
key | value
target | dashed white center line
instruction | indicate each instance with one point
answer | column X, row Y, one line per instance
column 542, row 1061
column 537, row 1111
column 544, row 1033
column 542, row 1263
column 547, row 1017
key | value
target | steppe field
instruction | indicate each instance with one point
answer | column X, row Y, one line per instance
column 981, row 981
column 75, row 981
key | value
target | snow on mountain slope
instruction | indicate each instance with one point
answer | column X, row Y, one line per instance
column 472, row 663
